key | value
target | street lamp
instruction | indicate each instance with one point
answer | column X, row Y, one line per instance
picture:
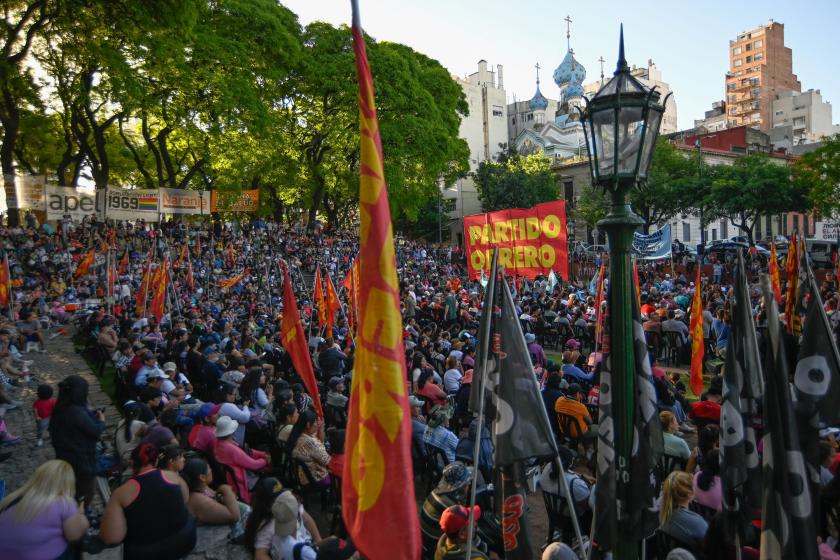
column 621, row 123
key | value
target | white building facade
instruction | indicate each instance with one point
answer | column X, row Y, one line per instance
column 485, row 130
column 808, row 115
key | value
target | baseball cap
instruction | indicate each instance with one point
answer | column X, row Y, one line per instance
column 208, row 409
column 574, row 389
column 455, row 518
column 333, row 548
column 170, row 366
column 156, row 374
column 335, row 381
column 285, row 512
column 558, row 551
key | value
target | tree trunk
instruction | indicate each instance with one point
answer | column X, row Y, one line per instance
column 11, row 127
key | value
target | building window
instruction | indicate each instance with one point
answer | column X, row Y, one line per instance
column 805, row 226
column 749, row 59
column 686, row 232
column 736, row 51
column 749, row 47
column 569, row 193
column 714, row 234
column 731, row 85
column 758, row 56
column 758, row 44
column 738, row 62
column 449, row 204
column 796, row 223
column 757, row 232
column 724, row 229
column 768, row 225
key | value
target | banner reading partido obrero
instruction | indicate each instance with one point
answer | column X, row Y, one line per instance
column 531, row 241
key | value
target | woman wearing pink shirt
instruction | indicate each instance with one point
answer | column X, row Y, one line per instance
column 203, row 434
column 707, row 485
column 242, row 465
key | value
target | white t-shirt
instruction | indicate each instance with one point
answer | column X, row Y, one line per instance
column 283, row 548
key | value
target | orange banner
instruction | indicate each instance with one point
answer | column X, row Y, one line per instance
column 229, row 201
column 295, row 342
column 531, row 241
column 695, row 329
column 5, row 283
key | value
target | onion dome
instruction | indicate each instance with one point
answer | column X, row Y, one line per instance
column 538, row 102
column 570, row 70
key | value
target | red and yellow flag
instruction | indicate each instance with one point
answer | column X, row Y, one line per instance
column 85, row 264
column 158, row 305
column 792, row 269
column 190, row 280
column 143, row 290
column 696, row 332
column 295, row 342
column 320, row 302
column 5, row 283
column 775, row 281
column 333, row 305
column 378, row 489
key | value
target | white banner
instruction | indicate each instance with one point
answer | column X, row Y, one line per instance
column 180, row 201
column 826, row 230
column 657, row 245
column 134, row 204
column 67, row 201
column 30, row 192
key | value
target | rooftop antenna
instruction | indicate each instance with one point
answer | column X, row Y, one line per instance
column 568, row 21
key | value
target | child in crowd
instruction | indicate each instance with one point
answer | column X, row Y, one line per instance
column 43, row 410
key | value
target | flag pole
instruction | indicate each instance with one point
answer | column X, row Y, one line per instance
column 571, row 505
column 484, row 337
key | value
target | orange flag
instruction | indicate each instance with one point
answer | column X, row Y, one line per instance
column 5, row 283
column 190, row 278
column 294, row 340
column 233, row 280
column 599, row 300
column 85, row 264
column 333, row 306
column 143, row 290
column 378, row 488
column 638, row 288
column 792, row 269
column 696, row 332
column 775, row 281
column 158, row 304
column 123, row 263
column 183, row 255
column 320, row 302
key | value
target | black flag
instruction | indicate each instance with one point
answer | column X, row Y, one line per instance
column 483, row 358
column 742, row 387
column 788, row 526
column 631, row 486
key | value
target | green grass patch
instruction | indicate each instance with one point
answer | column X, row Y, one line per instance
column 106, row 381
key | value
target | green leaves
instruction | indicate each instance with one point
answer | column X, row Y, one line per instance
column 819, row 173
column 515, row 181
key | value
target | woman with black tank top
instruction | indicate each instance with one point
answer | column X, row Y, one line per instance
column 148, row 514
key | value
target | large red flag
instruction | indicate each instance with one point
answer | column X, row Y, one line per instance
column 294, row 341
column 378, row 489
column 158, row 305
column 5, row 283
column 190, row 278
column 333, row 306
column 696, row 332
column 320, row 301
column 233, row 280
column 775, row 281
column 183, row 255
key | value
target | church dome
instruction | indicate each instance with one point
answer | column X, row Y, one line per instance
column 573, row 89
column 569, row 70
column 538, row 102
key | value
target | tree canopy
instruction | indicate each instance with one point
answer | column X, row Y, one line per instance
column 820, row 170
column 515, row 181
column 223, row 94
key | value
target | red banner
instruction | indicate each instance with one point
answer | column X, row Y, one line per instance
column 531, row 241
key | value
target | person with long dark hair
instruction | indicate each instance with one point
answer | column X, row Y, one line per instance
column 75, row 429
column 208, row 507
column 427, row 389
column 708, row 490
column 149, row 514
column 306, row 443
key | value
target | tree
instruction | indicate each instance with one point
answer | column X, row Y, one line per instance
column 515, row 181
column 755, row 186
column 819, row 172
column 670, row 187
column 592, row 206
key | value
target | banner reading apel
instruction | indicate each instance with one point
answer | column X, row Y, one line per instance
column 134, row 204
column 179, row 201
column 64, row 201
column 531, row 241
column 242, row 201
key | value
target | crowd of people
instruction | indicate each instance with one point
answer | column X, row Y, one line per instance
column 218, row 428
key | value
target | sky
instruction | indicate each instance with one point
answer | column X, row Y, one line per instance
column 687, row 40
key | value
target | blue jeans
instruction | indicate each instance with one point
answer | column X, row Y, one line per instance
column 41, row 425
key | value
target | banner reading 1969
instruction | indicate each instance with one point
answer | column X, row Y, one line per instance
column 531, row 241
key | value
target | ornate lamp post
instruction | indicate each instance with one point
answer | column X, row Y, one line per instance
column 622, row 123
